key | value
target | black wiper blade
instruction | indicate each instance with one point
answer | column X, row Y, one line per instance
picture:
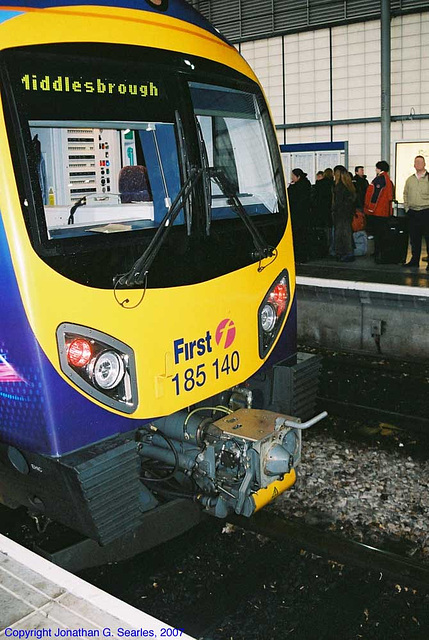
column 207, row 184
column 140, row 269
column 262, row 248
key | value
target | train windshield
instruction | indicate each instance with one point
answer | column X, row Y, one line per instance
column 102, row 147
column 103, row 178
column 237, row 149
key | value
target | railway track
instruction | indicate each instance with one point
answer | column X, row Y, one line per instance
column 372, row 388
column 353, row 360
column 202, row 617
column 403, row 421
column 258, row 570
column 335, row 547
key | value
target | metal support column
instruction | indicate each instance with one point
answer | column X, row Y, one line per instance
column 385, row 80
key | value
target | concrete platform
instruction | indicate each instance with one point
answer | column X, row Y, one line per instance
column 341, row 305
column 364, row 269
column 39, row 599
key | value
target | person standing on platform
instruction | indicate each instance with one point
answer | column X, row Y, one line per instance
column 321, row 214
column 343, row 209
column 361, row 185
column 416, row 203
column 299, row 194
column 378, row 204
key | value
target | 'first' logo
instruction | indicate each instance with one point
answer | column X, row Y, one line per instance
column 225, row 333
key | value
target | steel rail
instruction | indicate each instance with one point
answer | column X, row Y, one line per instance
column 335, row 547
column 390, row 367
column 406, row 422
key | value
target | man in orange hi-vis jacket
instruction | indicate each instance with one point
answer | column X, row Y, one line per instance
column 378, row 203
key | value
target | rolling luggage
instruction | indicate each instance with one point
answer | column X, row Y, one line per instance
column 360, row 240
column 318, row 243
column 393, row 241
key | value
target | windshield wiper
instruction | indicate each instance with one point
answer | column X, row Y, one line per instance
column 207, row 183
column 140, row 269
column 262, row 248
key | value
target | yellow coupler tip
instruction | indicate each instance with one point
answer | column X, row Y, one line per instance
column 264, row 496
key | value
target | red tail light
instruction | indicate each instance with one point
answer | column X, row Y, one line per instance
column 272, row 312
column 79, row 352
column 279, row 297
column 102, row 366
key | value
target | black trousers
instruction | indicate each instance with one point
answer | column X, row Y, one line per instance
column 419, row 229
column 376, row 226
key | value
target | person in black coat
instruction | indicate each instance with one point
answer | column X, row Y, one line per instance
column 299, row 194
column 321, row 215
column 361, row 184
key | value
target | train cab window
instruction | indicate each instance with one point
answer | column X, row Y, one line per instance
column 100, row 147
column 237, row 150
column 97, row 178
column 104, row 141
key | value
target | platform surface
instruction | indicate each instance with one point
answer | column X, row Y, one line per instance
column 39, row 599
column 364, row 269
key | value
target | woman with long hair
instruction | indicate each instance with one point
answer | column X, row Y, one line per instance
column 343, row 209
column 299, row 194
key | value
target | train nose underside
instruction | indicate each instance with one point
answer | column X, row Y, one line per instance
column 237, row 463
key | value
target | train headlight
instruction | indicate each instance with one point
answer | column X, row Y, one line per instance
column 268, row 318
column 108, row 370
column 272, row 312
column 100, row 365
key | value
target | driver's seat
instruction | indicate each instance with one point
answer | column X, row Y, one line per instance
column 134, row 184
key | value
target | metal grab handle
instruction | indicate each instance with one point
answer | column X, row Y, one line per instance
column 308, row 424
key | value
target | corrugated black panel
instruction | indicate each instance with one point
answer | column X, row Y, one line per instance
column 110, row 485
column 366, row 8
column 256, row 16
column 323, row 11
column 225, row 10
column 204, row 7
column 290, row 16
column 252, row 26
column 329, row 16
column 296, row 387
column 414, row 4
column 225, row 15
column 251, row 8
column 245, row 19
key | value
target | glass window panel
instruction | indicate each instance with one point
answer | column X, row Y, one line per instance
column 236, row 143
column 96, row 179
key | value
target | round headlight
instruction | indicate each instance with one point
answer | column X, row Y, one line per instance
column 268, row 318
column 108, row 370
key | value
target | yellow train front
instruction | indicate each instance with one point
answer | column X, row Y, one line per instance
column 147, row 276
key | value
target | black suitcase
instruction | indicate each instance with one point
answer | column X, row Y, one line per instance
column 317, row 243
column 393, row 241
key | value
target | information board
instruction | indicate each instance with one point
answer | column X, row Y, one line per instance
column 405, row 152
column 312, row 158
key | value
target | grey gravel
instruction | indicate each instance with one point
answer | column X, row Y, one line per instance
column 374, row 495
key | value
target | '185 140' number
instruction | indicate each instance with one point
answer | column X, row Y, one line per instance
column 197, row 377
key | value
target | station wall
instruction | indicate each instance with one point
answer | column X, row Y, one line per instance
column 336, row 316
column 333, row 74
